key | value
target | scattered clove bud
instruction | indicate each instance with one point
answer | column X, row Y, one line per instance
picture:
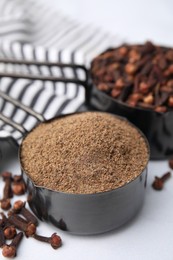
column 19, row 207
column 5, row 204
column 18, row 187
column 7, row 177
column 10, row 250
column 7, row 191
column 55, row 240
column 159, row 182
column 10, row 232
column 8, row 229
column 27, row 227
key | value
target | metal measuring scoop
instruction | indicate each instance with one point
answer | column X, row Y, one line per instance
column 83, row 213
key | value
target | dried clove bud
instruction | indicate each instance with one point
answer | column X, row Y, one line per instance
column 10, row 232
column 159, row 182
column 130, row 68
column 5, row 204
column 119, row 83
column 143, row 87
column 19, row 207
column 18, row 187
column 7, row 191
column 27, row 227
column 123, row 50
column 11, row 250
column 55, row 240
column 148, row 99
column 115, row 93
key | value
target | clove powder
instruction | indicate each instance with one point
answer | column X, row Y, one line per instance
column 84, row 153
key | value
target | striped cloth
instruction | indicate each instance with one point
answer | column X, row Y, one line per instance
column 30, row 30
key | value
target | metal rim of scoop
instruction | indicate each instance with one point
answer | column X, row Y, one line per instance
column 70, row 114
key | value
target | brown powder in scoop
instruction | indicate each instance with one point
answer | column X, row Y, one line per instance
column 84, row 153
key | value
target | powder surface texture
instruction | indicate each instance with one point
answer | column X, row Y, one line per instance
column 84, row 153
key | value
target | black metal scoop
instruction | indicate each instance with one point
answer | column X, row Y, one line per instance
column 81, row 213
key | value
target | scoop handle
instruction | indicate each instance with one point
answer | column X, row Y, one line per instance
column 8, row 121
column 18, row 104
column 27, row 109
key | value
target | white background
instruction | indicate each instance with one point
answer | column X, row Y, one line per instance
column 133, row 20
column 150, row 235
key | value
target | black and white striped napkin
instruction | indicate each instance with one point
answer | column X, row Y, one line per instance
column 30, row 30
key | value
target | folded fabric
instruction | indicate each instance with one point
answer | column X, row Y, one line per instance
column 30, row 30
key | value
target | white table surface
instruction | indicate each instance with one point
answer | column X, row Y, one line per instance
column 149, row 236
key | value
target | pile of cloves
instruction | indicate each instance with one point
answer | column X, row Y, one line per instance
column 18, row 221
column 138, row 75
